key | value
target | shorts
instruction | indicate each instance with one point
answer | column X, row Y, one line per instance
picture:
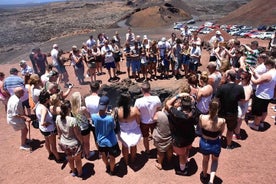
column 259, row 106
column 113, row 151
column 46, row 134
column 177, row 64
column 242, row 109
column 92, row 64
column 185, row 60
column 193, row 65
column 71, row 150
column 60, row 68
column 145, row 128
column 128, row 63
column 85, row 132
column 18, row 126
column 136, row 66
column 110, row 65
column 181, row 150
column 26, row 104
column 152, row 59
column 210, row 147
column 231, row 121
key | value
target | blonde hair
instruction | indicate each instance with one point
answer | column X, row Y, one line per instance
column 204, row 77
column 75, row 102
column 54, row 100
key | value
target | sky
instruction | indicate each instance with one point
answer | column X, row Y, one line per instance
column 10, row 2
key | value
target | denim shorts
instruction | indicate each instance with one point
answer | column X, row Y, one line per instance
column 210, row 147
column 136, row 65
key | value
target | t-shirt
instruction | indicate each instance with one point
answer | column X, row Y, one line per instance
column 49, row 119
column 66, row 127
column 54, row 55
column 14, row 108
column 182, row 127
column 251, row 57
column 229, row 94
column 107, row 51
column 104, row 130
column 12, row 82
column 92, row 104
column 164, row 47
column 147, row 106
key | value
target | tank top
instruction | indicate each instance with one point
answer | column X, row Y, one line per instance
column 266, row 89
column 203, row 104
column 48, row 119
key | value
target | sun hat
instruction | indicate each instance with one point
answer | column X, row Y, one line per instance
column 163, row 39
column 104, row 101
column 55, row 45
column 22, row 62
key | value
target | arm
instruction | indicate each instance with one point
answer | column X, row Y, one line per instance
column 261, row 79
column 43, row 117
column 137, row 112
column 77, row 133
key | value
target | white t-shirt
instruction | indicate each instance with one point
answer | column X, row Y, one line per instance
column 147, row 106
column 164, row 47
column 107, row 52
column 92, row 104
column 54, row 55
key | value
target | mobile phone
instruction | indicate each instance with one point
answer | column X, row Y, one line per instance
column 109, row 108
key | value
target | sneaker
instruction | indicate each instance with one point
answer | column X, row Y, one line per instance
column 25, row 148
column 230, row 147
column 203, row 179
column 182, row 173
column 237, row 136
column 253, row 126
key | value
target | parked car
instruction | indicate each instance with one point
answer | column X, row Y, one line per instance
column 191, row 21
column 205, row 30
column 250, row 33
column 265, row 35
column 178, row 25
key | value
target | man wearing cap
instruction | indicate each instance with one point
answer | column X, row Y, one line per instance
column 105, row 135
column 12, row 81
column 148, row 105
column 216, row 37
column 31, row 56
column 164, row 48
column 229, row 94
column 16, row 116
column 107, row 53
column 26, row 70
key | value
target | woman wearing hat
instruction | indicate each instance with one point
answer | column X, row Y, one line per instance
column 182, row 128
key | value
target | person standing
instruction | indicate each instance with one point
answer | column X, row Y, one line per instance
column 252, row 53
column 210, row 143
column 130, row 133
column 148, row 105
column 70, row 138
column 264, row 93
column 40, row 61
column 182, row 128
column 16, row 116
column 105, row 135
column 229, row 94
column 107, row 53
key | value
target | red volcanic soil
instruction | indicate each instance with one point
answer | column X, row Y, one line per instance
column 252, row 162
column 254, row 13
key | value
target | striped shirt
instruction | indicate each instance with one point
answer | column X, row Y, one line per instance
column 251, row 57
column 12, row 82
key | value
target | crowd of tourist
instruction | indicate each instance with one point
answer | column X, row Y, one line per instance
column 239, row 79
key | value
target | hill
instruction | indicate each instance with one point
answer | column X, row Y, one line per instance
column 254, row 13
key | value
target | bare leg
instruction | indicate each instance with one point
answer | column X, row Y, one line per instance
column 160, row 158
column 24, row 133
column 104, row 158
column 257, row 120
column 229, row 135
column 146, row 143
column 86, row 145
column 53, row 146
column 214, row 167
column 263, row 116
column 78, row 164
column 112, row 163
column 205, row 162
column 71, row 164
column 125, row 153
column 133, row 151
column 238, row 128
column 169, row 154
column 47, row 145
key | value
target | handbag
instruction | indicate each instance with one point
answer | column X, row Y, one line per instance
column 116, row 119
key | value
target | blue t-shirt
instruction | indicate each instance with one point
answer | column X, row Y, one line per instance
column 104, row 129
